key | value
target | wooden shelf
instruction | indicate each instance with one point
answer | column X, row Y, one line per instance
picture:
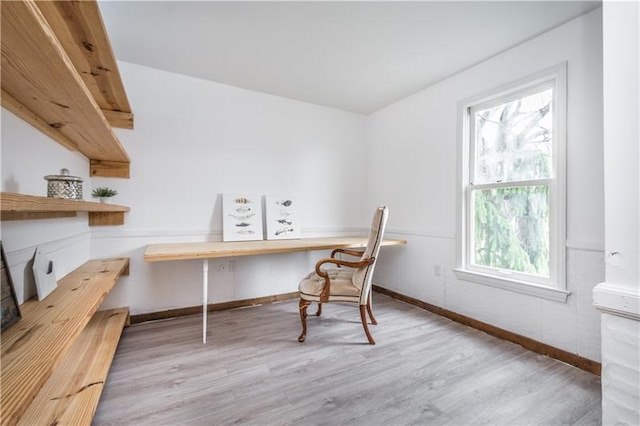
column 32, row 348
column 79, row 28
column 71, row 394
column 59, row 75
column 26, row 207
column 215, row 249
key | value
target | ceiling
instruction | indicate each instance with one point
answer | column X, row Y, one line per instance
column 357, row 56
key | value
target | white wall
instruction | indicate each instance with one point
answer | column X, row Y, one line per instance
column 194, row 140
column 415, row 142
column 28, row 156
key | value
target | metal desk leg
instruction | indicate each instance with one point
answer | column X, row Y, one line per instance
column 205, row 287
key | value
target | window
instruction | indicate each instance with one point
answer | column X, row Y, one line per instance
column 512, row 197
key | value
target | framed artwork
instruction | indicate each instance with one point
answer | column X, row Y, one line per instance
column 241, row 217
column 10, row 308
column 283, row 222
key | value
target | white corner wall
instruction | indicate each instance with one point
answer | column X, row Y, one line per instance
column 415, row 141
column 27, row 156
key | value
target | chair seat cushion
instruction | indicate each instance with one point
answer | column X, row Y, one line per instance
column 342, row 287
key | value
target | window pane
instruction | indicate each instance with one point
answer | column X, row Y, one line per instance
column 513, row 139
column 512, row 229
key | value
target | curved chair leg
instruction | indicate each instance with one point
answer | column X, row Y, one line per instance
column 373, row 319
column 363, row 316
column 319, row 311
column 304, row 304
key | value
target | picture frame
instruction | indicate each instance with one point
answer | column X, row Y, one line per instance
column 10, row 309
column 283, row 220
column 242, row 217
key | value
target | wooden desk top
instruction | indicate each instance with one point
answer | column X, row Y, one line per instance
column 209, row 250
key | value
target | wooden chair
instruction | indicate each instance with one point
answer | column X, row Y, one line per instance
column 346, row 281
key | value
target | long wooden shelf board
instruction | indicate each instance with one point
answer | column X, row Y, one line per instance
column 79, row 28
column 13, row 105
column 208, row 250
column 71, row 394
column 13, row 202
column 34, row 346
column 8, row 215
column 39, row 75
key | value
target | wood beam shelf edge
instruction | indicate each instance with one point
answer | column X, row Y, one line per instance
column 26, row 207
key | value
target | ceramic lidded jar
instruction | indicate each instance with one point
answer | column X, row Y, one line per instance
column 64, row 186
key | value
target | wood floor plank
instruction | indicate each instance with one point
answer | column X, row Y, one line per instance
column 424, row 369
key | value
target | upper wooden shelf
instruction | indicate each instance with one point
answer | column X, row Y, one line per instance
column 25, row 207
column 59, row 74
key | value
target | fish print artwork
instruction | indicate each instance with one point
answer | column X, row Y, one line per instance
column 242, row 217
column 282, row 217
column 285, row 231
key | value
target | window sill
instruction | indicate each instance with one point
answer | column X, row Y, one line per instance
column 541, row 291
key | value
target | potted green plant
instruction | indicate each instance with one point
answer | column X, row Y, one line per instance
column 104, row 194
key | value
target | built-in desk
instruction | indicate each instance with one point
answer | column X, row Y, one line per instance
column 216, row 249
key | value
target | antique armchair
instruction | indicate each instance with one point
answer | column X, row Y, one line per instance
column 345, row 281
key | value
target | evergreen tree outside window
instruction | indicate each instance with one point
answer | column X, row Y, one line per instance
column 512, row 199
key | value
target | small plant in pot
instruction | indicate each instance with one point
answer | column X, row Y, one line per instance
column 104, row 194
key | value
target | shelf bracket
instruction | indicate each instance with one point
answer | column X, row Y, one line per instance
column 115, row 169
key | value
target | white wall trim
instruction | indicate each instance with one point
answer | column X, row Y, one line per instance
column 420, row 233
column 25, row 254
column 574, row 244
column 204, row 234
column 585, row 245
column 208, row 235
column 617, row 300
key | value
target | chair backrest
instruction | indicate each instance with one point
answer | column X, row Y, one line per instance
column 362, row 277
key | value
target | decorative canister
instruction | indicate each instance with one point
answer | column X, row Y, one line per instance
column 64, row 186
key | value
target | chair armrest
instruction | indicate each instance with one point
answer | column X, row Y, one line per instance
column 324, row 295
column 356, row 253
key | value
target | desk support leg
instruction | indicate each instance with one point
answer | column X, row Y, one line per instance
column 205, row 297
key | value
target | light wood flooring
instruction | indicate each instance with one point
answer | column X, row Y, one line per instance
column 424, row 369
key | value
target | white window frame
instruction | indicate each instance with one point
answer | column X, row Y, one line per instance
column 553, row 288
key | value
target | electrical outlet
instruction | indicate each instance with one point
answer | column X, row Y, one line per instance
column 227, row 267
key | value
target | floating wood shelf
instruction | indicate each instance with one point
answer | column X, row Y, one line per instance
column 59, row 75
column 71, row 394
column 79, row 28
column 44, row 338
column 26, row 207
